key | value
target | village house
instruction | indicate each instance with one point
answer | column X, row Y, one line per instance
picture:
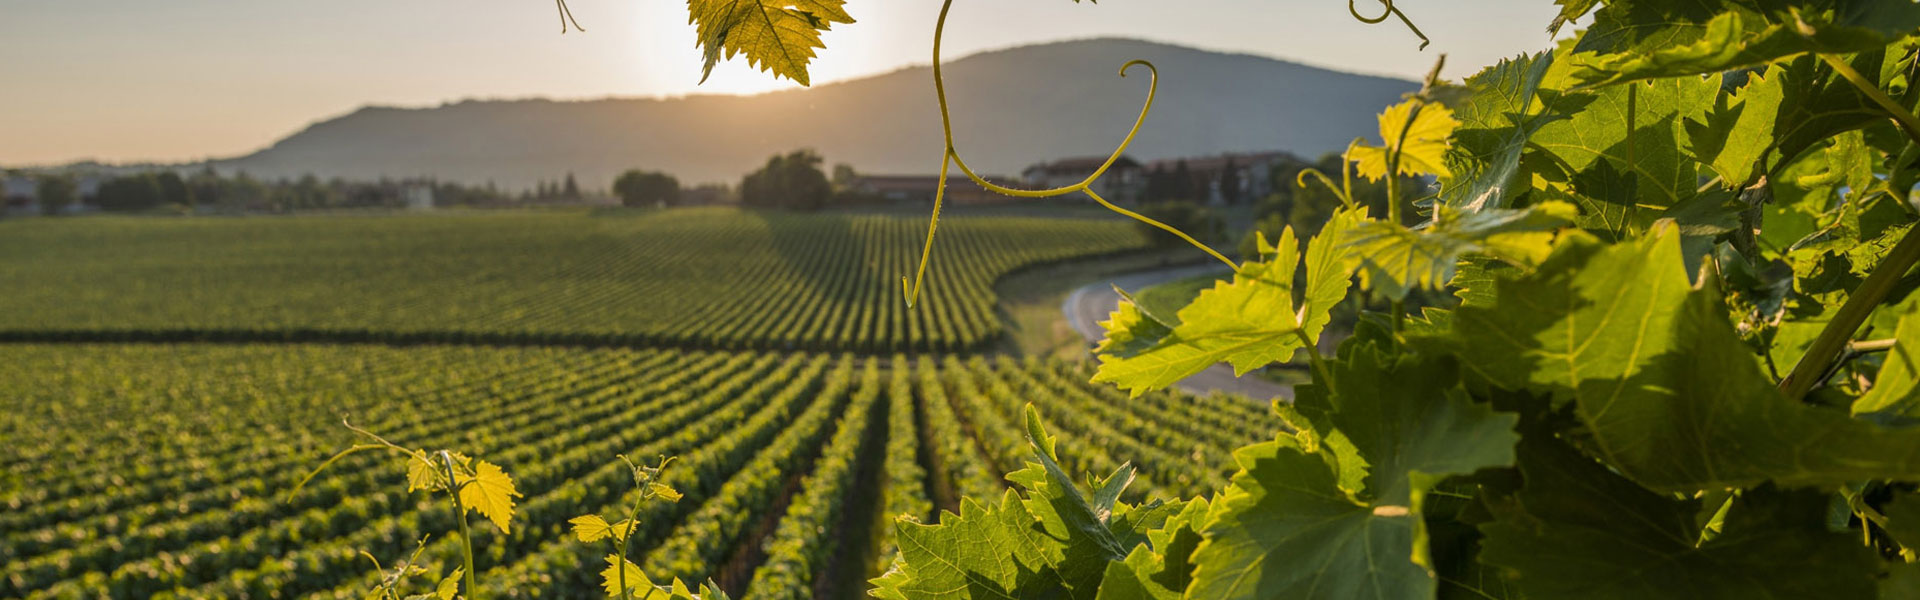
column 1123, row 183
column 1251, row 175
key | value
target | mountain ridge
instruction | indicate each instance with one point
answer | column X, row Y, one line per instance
column 1011, row 107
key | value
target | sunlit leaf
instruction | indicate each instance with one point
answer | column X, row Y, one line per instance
column 489, row 491
column 777, row 36
column 1419, row 138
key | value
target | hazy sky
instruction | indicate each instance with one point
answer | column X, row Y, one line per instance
column 128, row 80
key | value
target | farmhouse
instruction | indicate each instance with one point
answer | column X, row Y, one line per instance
column 1246, row 177
column 1124, row 182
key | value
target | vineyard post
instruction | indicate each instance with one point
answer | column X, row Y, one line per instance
column 466, row 536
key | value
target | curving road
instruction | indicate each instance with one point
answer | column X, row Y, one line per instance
column 1090, row 304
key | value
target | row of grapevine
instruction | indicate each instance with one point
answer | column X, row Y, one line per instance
column 707, row 278
column 768, row 448
column 906, row 477
column 798, row 551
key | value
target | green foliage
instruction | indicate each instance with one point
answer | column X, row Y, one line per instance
column 646, row 188
column 56, row 192
column 793, row 181
column 1249, row 322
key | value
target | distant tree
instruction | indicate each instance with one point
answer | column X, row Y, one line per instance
column 130, row 193
column 793, row 181
column 646, row 188
column 844, row 177
column 244, row 193
column 56, row 192
column 572, row 189
column 206, row 187
column 1230, row 183
column 173, row 190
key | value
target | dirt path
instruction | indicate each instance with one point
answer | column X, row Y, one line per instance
column 1090, row 304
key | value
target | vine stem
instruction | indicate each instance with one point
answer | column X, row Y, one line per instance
column 950, row 156
column 1833, row 339
column 1861, row 303
column 1901, row 116
column 466, row 536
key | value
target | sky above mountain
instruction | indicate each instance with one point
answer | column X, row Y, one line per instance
column 134, row 80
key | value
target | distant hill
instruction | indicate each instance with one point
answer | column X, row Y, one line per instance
column 1011, row 107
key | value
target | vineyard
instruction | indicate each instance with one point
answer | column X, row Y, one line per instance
column 182, row 496
column 710, row 279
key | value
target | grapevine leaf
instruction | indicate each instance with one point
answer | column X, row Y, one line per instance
column 1737, row 134
column 777, row 36
column 1330, row 265
column 983, row 552
column 489, row 491
column 1596, row 130
column 1134, row 578
column 1131, row 329
column 708, row 591
column 1417, row 132
column 450, row 585
column 422, row 474
column 1692, row 39
column 1054, row 543
column 1578, row 530
column 665, row 492
column 1606, row 197
column 637, row 581
column 1250, row 321
column 1285, row 529
column 1894, row 399
column 1399, row 260
column 1570, row 10
column 1496, row 120
column 1412, row 425
column 1667, row 392
column 591, row 528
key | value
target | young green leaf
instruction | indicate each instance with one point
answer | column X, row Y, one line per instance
column 490, row 491
column 450, row 585
column 777, row 36
column 422, row 475
column 591, row 528
column 1248, row 322
column 1399, row 260
column 1496, row 120
column 637, row 581
column 1418, row 132
column 1130, row 329
column 665, row 492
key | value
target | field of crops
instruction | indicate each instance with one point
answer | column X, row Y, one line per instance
column 167, row 471
column 705, row 278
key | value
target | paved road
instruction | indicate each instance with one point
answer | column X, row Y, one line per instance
column 1087, row 306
